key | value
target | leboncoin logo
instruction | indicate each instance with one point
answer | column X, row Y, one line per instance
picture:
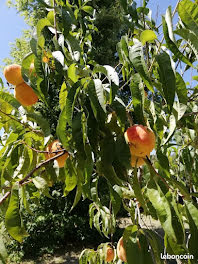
column 167, row 256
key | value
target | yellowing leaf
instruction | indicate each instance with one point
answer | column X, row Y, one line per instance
column 147, row 35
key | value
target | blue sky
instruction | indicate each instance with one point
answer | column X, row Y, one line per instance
column 11, row 26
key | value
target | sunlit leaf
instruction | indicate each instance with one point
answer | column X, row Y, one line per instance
column 13, row 221
column 147, row 36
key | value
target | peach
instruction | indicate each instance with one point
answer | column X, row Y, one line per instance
column 54, row 146
column 13, row 75
column 141, row 140
column 138, row 161
column 25, row 94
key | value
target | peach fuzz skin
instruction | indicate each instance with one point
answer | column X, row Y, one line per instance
column 25, row 94
column 54, row 146
column 13, row 75
column 141, row 140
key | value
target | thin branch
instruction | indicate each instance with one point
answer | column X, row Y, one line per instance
column 26, row 179
column 125, row 84
column 41, row 151
column 24, row 125
column 29, row 181
column 40, row 166
column 191, row 113
column 129, row 118
column 5, row 197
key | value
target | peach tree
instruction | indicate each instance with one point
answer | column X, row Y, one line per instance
column 86, row 101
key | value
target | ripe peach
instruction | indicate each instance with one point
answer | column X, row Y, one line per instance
column 54, row 146
column 141, row 140
column 13, row 75
column 138, row 161
column 25, row 94
column 121, row 250
column 109, row 254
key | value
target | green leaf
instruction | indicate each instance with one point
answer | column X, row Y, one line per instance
column 100, row 93
column 155, row 244
column 137, row 248
column 88, row 9
column 171, row 129
column 138, row 191
column 68, row 19
column 72, row 73
column 181, row 89
column 167, row 78
column 41, row 121
column 67, row 114
column 137, row 99
column 115, row 200
column 8, row 98
column 77, row 196
column 172, row 46
column 13, row 221
column 188, row 13
column 58, row 55
column 192, row 213
column 162, row 207
column 190, row 37
column 109, row 173
column 40, row 183
column 71, row 177
column 137, row 58
column 63, row 95
column 96, row 107
column 147, row 36
column 112, row 75
column 3, row 251
column 88, row 169
column 41, row 24
column 164, row 162
column 169, row 18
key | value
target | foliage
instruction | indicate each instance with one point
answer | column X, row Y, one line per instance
column 91, row 120
column 51, row 226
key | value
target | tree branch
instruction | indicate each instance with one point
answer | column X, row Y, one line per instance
column 22, row 124
column 42, row 151
column 5, row 197
column 26, row 179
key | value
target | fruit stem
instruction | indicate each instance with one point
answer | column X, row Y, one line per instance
column 129, row 118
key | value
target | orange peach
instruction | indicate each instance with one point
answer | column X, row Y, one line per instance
column 137, row 161
column 13, row 75
column 54, row 146
column 141, row 140
column 25, row 94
